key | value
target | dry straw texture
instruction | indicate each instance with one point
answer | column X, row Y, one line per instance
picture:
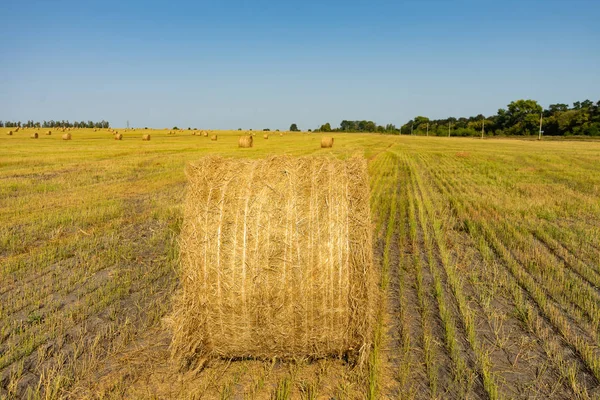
column 213, row 137
column 276, row 260
column 119, row 136
column 245, row 141
column 326, row 142
column 66, row 136
column 146, row 137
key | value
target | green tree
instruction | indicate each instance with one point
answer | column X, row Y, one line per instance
column 325, row 127
column 523, row 117
column 294, row 128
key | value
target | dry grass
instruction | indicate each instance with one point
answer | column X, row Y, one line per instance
column 490, row 278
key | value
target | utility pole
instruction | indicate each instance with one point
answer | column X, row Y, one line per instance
column 540, row 134
column 482, row 127
column 449, row 128
column 411, row 129
column 127, row 124
column 428, row 129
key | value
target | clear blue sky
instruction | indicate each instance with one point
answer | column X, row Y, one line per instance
column 259, row 64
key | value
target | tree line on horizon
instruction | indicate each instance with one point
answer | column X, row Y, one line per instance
column 54, row 124
column 519, row 118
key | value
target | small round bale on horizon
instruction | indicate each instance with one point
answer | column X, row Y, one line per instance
column 245, row 141
column 326, row 142
column 266, row 136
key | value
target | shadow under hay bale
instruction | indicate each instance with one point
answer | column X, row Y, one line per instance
column 326, row 142
column 276, row 260
column 245, row 141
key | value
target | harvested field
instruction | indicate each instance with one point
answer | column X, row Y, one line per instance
column 486, row 252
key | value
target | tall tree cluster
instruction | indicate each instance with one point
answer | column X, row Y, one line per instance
column 519, row 118
column 359, row 126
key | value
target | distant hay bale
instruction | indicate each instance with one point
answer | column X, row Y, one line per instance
column 276, row 260
column 281, row 134
column 49, row 133
column 205, row 134
column 34, row 136
column 146, row 137
column 326, row 142
column 9, row 133
column 213, row 137
column 266, row 136
column 245, row 141
column 66, row 136
column 119, row 136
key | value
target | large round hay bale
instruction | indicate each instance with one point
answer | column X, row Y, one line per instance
column 326, row 142
column 266, row 136
column 213, row 137
column 118, row 136
column 146, row 137
column 9, row 133
column 34, row 136
column 49, row 133
column 245, row 141
column 66, row 136
column 276, row 260
column 205, row 134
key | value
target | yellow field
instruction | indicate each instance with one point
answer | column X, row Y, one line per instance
column 489, row 252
